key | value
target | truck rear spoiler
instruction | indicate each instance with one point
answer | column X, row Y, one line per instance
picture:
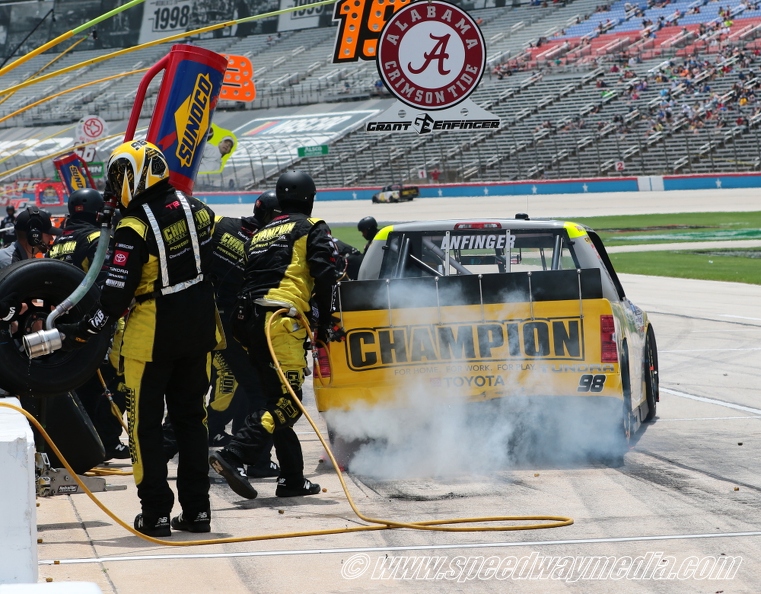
column 481, row 289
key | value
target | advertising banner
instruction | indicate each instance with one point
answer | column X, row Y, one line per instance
column 220, row 145
column 305, row 18
column 280, row 137
column 73, row 173
column 162, row 18
column 49, row 193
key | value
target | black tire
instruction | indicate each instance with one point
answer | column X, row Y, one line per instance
column 343, row 449
column 71, row 429
column 652, row 388
column 375, row 200
column 43, row 284
column 624, row 431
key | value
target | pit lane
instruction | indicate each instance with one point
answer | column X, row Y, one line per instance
column 688, row 487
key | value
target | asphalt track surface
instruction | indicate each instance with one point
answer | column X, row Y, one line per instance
column 688, row 497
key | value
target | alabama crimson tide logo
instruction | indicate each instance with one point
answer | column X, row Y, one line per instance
column 431, row 55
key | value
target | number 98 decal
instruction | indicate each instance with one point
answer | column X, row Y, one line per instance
column 591, row 383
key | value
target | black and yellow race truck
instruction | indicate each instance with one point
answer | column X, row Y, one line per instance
column 518, row 313
column 396, row 193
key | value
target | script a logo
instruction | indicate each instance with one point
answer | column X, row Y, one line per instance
column 192, row 120
column 77, row 179
column 423, row 123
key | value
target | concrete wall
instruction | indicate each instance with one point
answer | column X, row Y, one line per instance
column 18, row 516
column 54, row 588
column 524, row 188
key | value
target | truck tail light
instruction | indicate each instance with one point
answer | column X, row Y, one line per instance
column 608, row 348
column 321, row 363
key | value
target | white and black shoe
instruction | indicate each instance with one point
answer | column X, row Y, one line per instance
column 200, row 523
column 154, row 527
column 268, row 470
column 303, row 487
column 118, row 452
column 220, row 440
column 234, row 472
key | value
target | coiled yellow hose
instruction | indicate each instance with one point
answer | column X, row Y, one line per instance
column 443, row 525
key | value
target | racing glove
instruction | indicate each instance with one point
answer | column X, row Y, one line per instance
column 10, row 308
column 73, row 336
column 77, row 334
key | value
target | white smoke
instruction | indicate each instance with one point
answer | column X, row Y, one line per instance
column 432, row 432
column 424, row 438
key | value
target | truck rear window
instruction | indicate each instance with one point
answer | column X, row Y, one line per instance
column 471, row 251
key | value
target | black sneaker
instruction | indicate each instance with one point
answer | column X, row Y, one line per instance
column 271, row 470
column 155, row 528
column 119, row 452
column 306, row 488
column 220, row 440
column 233, row 473
column 201, row 522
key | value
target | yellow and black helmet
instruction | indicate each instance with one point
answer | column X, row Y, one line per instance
column 133, row 168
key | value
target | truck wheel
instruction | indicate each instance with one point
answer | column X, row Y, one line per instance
column 42, row 285
column 651, row 374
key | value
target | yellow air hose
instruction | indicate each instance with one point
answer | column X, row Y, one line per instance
column 443, row 525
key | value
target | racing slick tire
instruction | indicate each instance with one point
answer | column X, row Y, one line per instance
column 375, row 199
column 652, row 390
column 624, row 423
column 42, row 284
column 627, row 422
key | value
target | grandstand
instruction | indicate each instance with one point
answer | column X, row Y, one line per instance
column 583, row 89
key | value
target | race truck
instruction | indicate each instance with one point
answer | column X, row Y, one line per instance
column 514, row 318
column 396, row 193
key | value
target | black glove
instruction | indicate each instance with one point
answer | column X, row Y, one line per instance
column 77, row 334
column 74, row 336
column 9, row 308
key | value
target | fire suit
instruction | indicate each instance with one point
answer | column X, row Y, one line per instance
column 286, row 262
column 235, row 383
column 161, row 254
column 77, row 244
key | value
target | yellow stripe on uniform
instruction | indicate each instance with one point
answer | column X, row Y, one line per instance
column 226, row 384
column 133, row 376
column 136, row 224
column 268, row 422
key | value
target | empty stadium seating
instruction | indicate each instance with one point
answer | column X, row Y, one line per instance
column 566, row 110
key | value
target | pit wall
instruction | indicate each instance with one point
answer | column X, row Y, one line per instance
column 524, row 188
column 18, row 527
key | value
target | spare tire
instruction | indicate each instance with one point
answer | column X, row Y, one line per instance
column 43, row 284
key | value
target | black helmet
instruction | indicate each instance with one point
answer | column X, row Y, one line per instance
column 85, row 204
column 266, row 207
column 295, row 192
column 368, row 227
column 10, row 209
